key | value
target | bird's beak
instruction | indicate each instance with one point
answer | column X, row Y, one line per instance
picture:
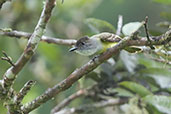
column 73, row 49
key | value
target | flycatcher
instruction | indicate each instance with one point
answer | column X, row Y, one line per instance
column 97, row 44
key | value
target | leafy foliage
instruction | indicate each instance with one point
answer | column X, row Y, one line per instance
column 134, row 106
column 161, row 77
column 137, row 88
column 131, row 27
column 129, row 60
column 98, row 26
column 161, row 103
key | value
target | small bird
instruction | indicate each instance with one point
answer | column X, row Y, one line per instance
column 96, row 44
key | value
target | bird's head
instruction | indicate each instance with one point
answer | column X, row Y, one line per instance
column 85, row 46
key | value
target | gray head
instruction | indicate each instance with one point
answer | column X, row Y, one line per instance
column 85, row 46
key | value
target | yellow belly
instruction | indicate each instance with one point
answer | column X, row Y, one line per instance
column 107, row 45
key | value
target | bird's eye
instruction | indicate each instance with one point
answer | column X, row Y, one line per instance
column 82, row 43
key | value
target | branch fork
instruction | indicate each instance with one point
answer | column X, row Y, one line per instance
column 7, row 58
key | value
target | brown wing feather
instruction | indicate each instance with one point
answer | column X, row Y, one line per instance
column 109, row 37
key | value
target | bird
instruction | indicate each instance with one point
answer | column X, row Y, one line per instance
column 97, row 44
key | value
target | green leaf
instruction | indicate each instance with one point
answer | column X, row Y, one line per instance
column 130, row 28
column 98, row 26
column 135, row 87
column 161, row 103
column 162, row 77
column 122, row 92
column 129, row 61
column 166, row 2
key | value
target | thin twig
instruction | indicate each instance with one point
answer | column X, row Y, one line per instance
column 147, row 33
column 95, row 92
column 90, row 107
column 66, row 101
column 120, row 23
column 160, row 55
column 159, row 60
column 7, row 58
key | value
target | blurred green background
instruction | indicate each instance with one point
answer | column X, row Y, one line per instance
column 53, row 63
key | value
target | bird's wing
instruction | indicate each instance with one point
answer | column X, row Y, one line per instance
column 109, row 37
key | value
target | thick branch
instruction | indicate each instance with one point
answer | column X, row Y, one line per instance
column 90, row 107
column 20, row 34
column 2, row 2
column 11, row 73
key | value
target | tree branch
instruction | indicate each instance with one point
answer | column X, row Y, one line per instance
column 66, row 101
column 142, row 41
column 155, row 40
column 160, row 60
column 20, row 34
column 90, row 107
column 7, row 58
column 146, row 31
column 90, row 66
column 19, row 97
column 94, row 92
column 10, row 75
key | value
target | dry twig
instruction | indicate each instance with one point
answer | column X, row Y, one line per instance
column 147, row 32
column 7, row 58
column 66, row 101
column 120, row 23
